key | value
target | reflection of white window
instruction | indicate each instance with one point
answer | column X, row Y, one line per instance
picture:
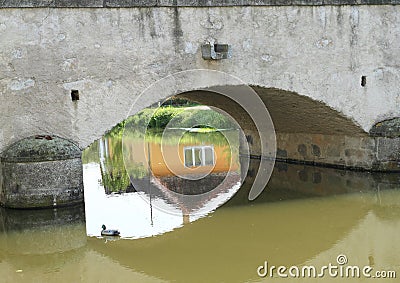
column 198, row 155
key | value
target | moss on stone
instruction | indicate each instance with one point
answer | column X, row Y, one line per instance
column 388, row 128
column 41, row 148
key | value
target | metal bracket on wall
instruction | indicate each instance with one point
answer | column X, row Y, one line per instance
column 215, row 51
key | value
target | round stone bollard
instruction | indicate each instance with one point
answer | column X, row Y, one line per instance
column 41, row 171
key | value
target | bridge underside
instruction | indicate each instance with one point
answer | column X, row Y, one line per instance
column 75, row 73
column 308, row 131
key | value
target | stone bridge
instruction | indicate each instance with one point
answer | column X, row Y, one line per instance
column 327, row 71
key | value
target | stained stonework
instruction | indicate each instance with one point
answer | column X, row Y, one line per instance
column 324, row 72
column 388, row 128
column 41, row 171
column 182, row 3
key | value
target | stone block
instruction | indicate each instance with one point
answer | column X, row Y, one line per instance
column 41, row 171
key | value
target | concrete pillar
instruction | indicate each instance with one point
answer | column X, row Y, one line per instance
column 41, row 171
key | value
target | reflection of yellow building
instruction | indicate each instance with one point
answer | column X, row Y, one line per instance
column 182, row 159
column 186, row 159
column 190, row 153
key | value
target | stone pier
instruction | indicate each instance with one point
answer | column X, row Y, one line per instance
column 41, row 171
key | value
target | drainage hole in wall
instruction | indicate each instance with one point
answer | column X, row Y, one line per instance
column 74, row 95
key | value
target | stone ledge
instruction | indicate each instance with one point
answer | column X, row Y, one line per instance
column 181, row 3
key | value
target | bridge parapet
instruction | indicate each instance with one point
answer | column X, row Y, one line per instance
column 182, row 3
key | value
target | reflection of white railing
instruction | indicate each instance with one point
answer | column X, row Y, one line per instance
column 103, row 152
column 198, row 156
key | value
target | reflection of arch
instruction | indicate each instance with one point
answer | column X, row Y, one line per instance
column 374, row 240
column 213, row 245
column 269, row 231
column 278, row 232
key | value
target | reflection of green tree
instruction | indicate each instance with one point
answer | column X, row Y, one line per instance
column 91, row 154
column 115, row 175
column 137, row 170
column 115, row 178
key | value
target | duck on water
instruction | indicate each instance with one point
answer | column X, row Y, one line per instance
column 109, row 232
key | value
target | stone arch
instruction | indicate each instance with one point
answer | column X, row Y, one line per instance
column 308, row 131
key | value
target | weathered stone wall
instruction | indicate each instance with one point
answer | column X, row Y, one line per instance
column 41, row 172
column 111, row 56
column 324, row 138
column 183, row 3
column 44, row 184
column 388, row 128
column 366, row 153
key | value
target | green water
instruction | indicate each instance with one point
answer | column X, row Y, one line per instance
column 305, row 216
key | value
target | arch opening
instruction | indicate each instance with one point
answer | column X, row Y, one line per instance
column 307, row 131
column 310, row 132
column 298, row 136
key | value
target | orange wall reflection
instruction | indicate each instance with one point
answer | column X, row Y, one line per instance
column 169, row 159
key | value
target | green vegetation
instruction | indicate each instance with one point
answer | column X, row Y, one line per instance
column 91, row 154
column 184, row 117
column 115, row 178
column 205, row 136
column 155, row 118
column 179, row 102
column 204, row 119
column 154, row 121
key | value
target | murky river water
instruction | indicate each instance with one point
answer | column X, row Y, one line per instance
column 306, row 216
